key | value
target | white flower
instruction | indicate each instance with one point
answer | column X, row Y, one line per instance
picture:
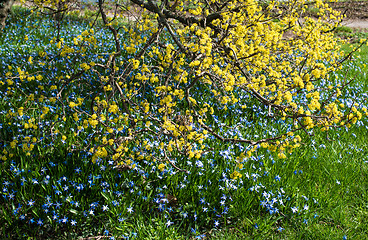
column 294, row 209
column 130, row 210
column 169, row 223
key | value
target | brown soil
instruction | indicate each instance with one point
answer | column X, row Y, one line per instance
column 352, row 9
column 356, row 13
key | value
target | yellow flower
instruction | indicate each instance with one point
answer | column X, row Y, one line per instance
column 161, row 167
column 72, row 104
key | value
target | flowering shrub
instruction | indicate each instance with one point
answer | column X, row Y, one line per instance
column 176, row 114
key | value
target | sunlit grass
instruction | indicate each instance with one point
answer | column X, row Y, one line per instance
column 332, row 168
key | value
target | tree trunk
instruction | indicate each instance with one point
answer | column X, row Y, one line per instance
column 5, row 6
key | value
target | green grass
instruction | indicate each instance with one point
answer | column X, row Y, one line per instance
column 350, row 34
column 335, row 174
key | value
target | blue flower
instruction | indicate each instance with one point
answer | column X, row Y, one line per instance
column 31, row 202
column 39, row 222
column 169, row 223
column 202, row 236
column 294, row 209
column 130, row 209
column 217, row 223
column 57, row 205
column 55, row 216
column 64, row 220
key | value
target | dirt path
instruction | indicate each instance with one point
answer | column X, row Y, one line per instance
column 356, row 12
column 356, row 23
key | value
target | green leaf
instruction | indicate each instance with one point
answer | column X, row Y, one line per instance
column 105, row 195
column 73, row 211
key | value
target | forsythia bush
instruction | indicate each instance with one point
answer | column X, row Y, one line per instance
column 186, row 74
